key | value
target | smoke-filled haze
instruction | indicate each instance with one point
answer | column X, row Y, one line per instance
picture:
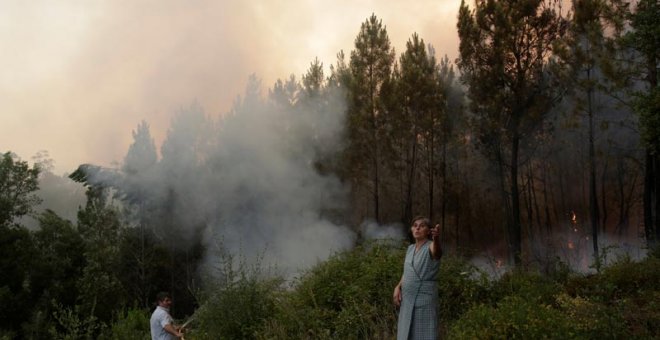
column 78, row 76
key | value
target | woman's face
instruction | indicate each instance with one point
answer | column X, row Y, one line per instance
column 420, row 230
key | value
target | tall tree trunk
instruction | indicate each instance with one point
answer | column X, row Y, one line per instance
column 652, row 161
column 534, row 198
column 410, row 185
column 603, row 199
column 562, row 194
column 649, row 196
column 593, row 198
column 626, row 201
column 431, row 182
column 546, row 201
column 506, row 202
column 527, row 198
column 445, row 182
column 376, row 140
column 142, row 259
column 656, row 190
column 655, row 159
column 516, row 235
column 376, row 183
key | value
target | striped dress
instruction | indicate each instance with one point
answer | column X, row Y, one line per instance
column 418, row 316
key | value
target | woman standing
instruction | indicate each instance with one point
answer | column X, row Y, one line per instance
column 417, row 291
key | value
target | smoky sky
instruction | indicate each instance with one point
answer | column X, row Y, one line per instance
column 79, row 75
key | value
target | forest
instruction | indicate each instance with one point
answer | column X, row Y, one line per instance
column 536, row 150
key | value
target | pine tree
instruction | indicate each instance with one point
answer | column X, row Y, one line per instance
column 504, row 47
column 370, row 68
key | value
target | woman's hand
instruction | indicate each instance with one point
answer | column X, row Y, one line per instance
column 436, row 250
column 397, row 295
column 435, row 232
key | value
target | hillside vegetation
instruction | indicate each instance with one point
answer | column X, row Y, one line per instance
column 349, row 297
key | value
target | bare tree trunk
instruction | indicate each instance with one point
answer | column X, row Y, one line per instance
column 603, row 198
column 527, row 198
column 534, row 198
column 445, row 182
column 626, row 202
column 516, row 246
column 593, row 198
column 548, row 223
column 142, row 275
column 649, row 197
column 653, row 82
column 376, row 184
column 506, row 202
column 376, row 140
column 410, row 185
column 562, row 195
column 431, row 182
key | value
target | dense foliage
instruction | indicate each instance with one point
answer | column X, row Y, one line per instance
column 349, row 297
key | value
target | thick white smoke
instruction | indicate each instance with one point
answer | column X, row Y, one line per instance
column 248, row 180
column 371, row 230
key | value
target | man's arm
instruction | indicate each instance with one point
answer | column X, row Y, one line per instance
column 170, row 329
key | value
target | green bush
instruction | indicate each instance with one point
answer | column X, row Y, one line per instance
column 628, row 291
column 619, row 302
column 642, row 315
column 591, row 319
column 349, row 296
column 237, row 310
column 514, row 317
column 236, row 302
column 132, row 324
column 70, row 324
column 622, row 278
column 461, row 285
column 530, row 286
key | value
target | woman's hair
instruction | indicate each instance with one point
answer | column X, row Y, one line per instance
column 424, row 219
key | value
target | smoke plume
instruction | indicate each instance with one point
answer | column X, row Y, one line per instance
column 249, row 181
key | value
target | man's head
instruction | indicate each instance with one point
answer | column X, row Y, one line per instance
column 163, row 299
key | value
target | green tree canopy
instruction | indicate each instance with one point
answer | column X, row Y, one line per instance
column 18, row 183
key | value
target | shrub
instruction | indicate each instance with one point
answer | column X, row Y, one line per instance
column 593, row 320
column 348, row 296
column 627, row 291
column 622, row 278
column 514, row 317
column 70, row 324
column 461, row 285
column 237, row 310
column 132, row 324
column 530, row 286
column 236, row 300
column 642, row 315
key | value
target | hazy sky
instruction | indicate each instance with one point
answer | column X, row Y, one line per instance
column 79, row 75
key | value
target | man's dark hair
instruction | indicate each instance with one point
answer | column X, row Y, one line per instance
column 162, row 296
